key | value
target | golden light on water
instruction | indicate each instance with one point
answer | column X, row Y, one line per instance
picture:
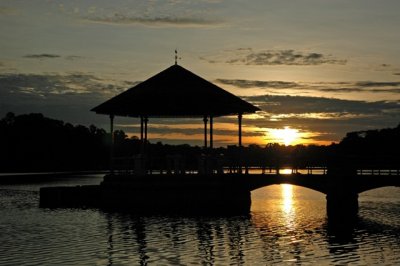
column 287, row 198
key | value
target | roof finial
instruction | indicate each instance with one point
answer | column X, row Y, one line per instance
column 176, row 56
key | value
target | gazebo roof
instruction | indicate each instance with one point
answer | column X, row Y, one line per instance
column 175, row 92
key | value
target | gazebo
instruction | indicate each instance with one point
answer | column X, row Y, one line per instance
column 176, row 93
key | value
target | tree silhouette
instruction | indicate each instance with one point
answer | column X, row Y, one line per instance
column 32, row 142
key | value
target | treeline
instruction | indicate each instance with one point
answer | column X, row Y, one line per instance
column 32, row 142
column 373, row 148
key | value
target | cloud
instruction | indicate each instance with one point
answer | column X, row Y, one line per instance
column 42, row 56
column 349, row 90
column 342, row 87
column 300, row 105
column 63, row 96
column 52, row 56
column 242, row 83
column 155, row 21
column 28, row 90
column 377, row 84
column 160, row 13
column 246, row 56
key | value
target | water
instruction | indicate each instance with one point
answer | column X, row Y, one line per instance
column 287, row 225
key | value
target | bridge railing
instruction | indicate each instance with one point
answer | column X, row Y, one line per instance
column 210, row 165
column 378, row 172
column 272, row 170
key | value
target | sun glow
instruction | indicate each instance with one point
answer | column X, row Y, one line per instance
column 286, row 135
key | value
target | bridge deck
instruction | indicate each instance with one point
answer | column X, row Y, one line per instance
column 321, row 182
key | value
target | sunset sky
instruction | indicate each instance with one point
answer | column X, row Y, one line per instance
column 319, row 68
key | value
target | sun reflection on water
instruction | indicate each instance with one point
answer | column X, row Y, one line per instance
column 287, row 199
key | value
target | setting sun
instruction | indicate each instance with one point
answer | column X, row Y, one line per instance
column 286, row 135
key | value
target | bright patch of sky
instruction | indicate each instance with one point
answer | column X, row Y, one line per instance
column 338, row 60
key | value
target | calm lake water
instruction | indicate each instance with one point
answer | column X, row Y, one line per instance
column 287, row 225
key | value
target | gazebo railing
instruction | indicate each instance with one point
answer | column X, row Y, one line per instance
column 169, row 164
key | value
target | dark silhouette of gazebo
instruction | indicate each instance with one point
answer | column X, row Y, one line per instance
column 176, row 92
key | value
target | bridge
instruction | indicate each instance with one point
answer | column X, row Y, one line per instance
column 341, row 189
column 217, row 193
column 358, row 181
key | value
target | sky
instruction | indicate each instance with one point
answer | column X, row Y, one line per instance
column 317, row 68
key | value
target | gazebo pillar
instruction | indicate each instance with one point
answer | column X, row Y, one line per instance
column 240, row 129
column 146, row 120
column 240, row 142
column 142, row 134
column 141, row 128
column 205, row 120
column 112, row 143
column 140, row 162
column 211, row 132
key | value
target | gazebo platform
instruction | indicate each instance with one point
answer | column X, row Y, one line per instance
column 189, row 194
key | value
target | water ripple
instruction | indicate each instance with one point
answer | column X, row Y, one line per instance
column 270, row 235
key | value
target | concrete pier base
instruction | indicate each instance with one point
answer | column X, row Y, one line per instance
column 342, row 205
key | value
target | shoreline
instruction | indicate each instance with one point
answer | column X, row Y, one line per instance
column 14, row 178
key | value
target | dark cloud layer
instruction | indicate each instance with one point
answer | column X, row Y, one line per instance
column 41, row 56
column 52, row 56
column 345, row 87
column 48, row 85
column 242, row 83
column 69, row 97
column 154, row 21
column 247, row 56
column 300, row 105
column 377, row 84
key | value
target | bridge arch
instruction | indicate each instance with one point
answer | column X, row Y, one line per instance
column 278, row 190
column 287, row 201
column 376, row 187
column 364, row 183
column 311, row 182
